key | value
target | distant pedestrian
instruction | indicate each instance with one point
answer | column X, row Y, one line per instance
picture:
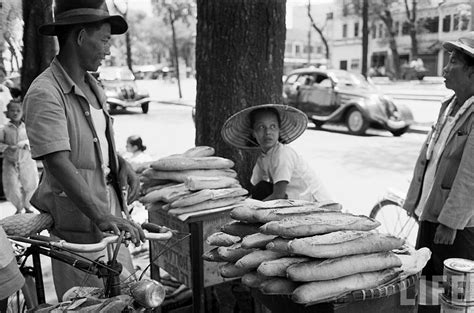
column 136, row 154
column 20, row 173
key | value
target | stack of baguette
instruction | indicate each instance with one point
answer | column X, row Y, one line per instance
column 190, row 182
column 311, row 252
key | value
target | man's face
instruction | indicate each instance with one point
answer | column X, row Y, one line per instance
column 456, row 72
column 95, row 46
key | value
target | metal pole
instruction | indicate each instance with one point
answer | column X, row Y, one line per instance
column 309, row 34
column 365, row 36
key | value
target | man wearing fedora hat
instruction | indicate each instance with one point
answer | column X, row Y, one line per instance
column 84, row 179
column 441, row 191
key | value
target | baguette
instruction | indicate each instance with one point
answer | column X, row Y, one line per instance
column 343, row 266
column 257, row 240
column 195, row 183
column 334, row 237
column 233, row 253
column 240, row 229
column 278, row 244
column 180, row 163
column 243, row 213
column 206, row 205
column 208, row 194
column 318, row 223
column 253, row 279
column 222, row 239
column 253, row 259
column 319, row 291
column 165, row 194
column 270, row 215
column 199, row 151
column 229, row 270
column 279, row 266
column 373, row 242
column 278, row 286
column 180, row 176
column 212, row 256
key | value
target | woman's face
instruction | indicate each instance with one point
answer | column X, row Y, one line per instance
column 266, row 130
column 456, row 72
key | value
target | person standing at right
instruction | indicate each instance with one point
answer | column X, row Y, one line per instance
column 441, row 192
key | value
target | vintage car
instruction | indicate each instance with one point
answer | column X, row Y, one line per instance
column 338, row 96
column 121, row 89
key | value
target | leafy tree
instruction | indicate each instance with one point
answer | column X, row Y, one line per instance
column 122, row 9
column 11, row 30
column 172, row 12
column 239, row 63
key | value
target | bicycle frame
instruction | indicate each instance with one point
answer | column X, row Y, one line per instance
column 111, row 270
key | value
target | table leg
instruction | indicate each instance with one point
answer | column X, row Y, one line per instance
column 197, row 265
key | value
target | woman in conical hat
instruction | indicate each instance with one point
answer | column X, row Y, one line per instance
column 280, row 172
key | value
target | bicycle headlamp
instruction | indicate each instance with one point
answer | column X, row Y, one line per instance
column 148, row 293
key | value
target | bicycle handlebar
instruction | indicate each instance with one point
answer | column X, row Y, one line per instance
column 152, row 232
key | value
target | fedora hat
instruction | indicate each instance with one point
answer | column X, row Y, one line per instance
column 73, row 12
column 237, row 130
column 464, row 44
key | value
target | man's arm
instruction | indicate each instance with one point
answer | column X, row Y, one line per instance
column 279, row 191
column 128, row 180
column 76, row 188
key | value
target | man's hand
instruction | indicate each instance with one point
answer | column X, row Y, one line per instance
column 116, row 224
column 444, row 235
column 128, row 178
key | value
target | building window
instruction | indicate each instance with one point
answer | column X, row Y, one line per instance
column 397, row 28
column 456, row 21
column 405, row 28
column 307, row 49
column 447, row 23
column 355, row 64
column 373, row 30
column 464, row 22
column 319, row 49
column 343, row 65
column 344, row 31
column 289, row 48
column 431, row 24
column 380, row 30
column 356, row 29
column 297, row 48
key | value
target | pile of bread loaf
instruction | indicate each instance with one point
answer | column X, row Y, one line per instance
column 310, row 251
column 195, row 180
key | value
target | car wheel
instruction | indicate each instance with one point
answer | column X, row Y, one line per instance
column 356, row 122
column 317, row 124
column 145, row 107
column 399, row 132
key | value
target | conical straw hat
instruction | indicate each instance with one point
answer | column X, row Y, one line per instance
column 237, row 130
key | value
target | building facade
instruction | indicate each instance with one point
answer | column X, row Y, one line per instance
column 437, row 21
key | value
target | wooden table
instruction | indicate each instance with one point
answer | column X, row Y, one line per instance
column 184, row 260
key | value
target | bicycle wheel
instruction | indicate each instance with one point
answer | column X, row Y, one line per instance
column 395, row 220
column 23, row 299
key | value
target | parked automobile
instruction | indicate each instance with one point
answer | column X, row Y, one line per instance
column 121, row 89
column 338, row 96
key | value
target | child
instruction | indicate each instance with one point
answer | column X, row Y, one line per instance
column 135, row 152
column 20, row 173
column 280, row 172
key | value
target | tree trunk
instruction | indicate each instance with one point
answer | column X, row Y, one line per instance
column 239, row 63
column 38, row 50
column 386, row 17
column 414, row 40
column 175, row 52
column 365, row 36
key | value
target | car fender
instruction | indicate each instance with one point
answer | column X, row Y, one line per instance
column 405, row 113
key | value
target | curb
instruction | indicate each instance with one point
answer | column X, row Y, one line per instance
column 188, row 102
column 419, row 129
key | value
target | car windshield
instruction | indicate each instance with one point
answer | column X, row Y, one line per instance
column 350, row 79
column 115, row 73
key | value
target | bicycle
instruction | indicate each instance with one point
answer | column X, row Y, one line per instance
column 394, row 219
column 123, row 295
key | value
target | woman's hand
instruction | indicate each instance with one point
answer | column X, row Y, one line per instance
column 128, row 179
column 444, row 235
